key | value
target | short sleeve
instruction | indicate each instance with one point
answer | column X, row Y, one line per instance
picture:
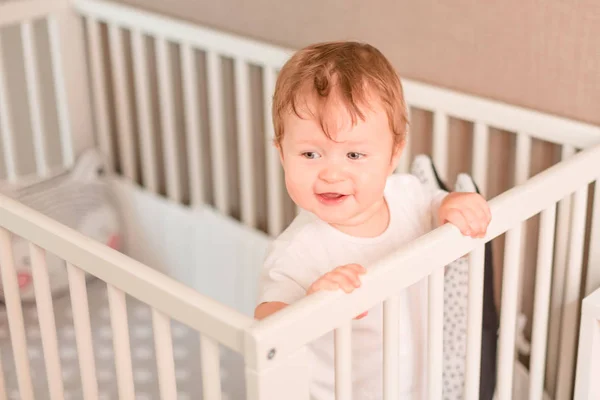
column 285, row 276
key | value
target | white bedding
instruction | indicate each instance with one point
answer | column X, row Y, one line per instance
column 215, row 255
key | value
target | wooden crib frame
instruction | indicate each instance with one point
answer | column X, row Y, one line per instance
column 276, row 367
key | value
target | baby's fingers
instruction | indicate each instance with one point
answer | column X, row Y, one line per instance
column 350, row 273
column 456, row 218
column 323, row 284
column 346, row 280
column 362, row 315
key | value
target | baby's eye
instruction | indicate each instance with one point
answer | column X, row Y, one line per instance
column 353, row 155
column 310, row 154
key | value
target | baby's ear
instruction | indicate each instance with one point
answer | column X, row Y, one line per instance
column 396, row 154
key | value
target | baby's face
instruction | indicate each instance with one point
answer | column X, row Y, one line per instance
column 340, row 180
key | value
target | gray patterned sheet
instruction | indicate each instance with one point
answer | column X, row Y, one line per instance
column 185, row 351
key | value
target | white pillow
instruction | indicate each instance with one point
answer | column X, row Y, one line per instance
column 79, row 198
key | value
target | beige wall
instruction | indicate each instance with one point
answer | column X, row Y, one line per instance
column 540, row 54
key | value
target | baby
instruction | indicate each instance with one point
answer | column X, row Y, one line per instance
column 340, row 127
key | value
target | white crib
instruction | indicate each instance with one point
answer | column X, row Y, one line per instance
column 174, row 107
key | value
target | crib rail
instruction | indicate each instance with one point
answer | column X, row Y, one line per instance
column 302, row 322
column 126, row 276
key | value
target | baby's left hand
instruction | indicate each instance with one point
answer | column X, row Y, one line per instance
column 469, row 212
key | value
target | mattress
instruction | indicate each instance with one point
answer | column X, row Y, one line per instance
column 185, row 352
column 214, row 254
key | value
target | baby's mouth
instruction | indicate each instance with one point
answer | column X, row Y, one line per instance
column 331, row 198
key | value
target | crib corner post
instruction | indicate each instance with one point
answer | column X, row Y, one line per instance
column 588, row 358
column 273, row 376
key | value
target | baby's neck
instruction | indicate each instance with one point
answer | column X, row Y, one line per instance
column 371, row 225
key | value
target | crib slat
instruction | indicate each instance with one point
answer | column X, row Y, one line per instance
column 508, row 317
column 211, row 368
column 343, row 362
column 2, row 382
column 122, row 105
column 480, row 155
column 558, row 282
column 66, row 139
column 217, row 131
column 474, row 317
column 15, row 315
column 144, row 112
column 167, row 114
column 593, row 274
column 274, row 173
column 6, row 127
column 163, row 345
column 523, row 158
column 33, row 95
column 122, row 350
column 83, row 331
column 570, row 315
column 522, row 171
column 192, row 124
column 404, row 164
column 541, row 302
column 99, row 91
column 43, row 298
column 245, row 146
column 440, row 143
column 391, row 346
column 436, row 333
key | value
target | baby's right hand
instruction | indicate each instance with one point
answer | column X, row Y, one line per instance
column 345, row 277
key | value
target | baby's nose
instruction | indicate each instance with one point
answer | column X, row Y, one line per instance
column 332, row 174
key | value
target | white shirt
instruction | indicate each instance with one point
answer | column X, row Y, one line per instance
column 309, row 248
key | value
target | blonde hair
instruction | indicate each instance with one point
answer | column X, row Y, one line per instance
column 346, row 71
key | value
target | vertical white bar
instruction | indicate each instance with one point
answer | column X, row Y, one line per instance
column 404, row 164
column 436, row 334
column 522, row 172
column 570, row 317
column 561, row 252
column 122, row 105
column 523, row 158
column 593, row 262
column 83, row 331
column 543, row 278
column 440, row 144
column 391, row 348
column 508, row 317
column 217, row 131
column 587, row 385
column 33, row 95
column 64, row 124
column 480, row 155
column 343, row 362
column 192, row 124
column 144, row 112
column 3, row 390
column 99, row 91
column 15, row 315
column 165, row 364
column 211, row 368
column 43, row 299
column 6, row 128
column 474, row 324
column 274, row 171
column 245, row 146
column 122, row 350
column 167, row 114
